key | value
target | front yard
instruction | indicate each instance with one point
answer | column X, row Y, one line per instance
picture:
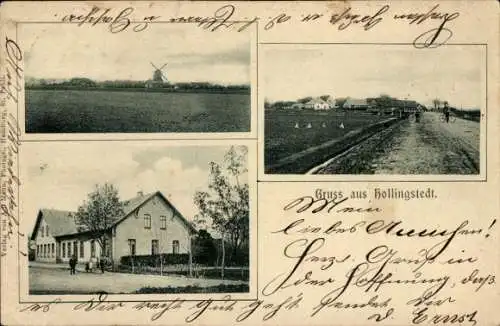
column 47, row 280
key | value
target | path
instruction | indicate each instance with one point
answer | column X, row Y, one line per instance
column 58, row 280
column 427, row 147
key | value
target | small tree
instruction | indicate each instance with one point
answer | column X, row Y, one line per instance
column 98, row 213
column 340, row 101
column 436, row 102
column 304, row 99
column 204, row 250
column 226, row 204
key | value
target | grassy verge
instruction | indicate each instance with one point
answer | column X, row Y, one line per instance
column 229, row 288
column 303, row 161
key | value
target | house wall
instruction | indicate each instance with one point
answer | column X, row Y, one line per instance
column 321, row 106
column 47, row 241
column 64, row 255
column 133, row 227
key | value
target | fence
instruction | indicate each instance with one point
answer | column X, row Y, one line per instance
column 196, row 271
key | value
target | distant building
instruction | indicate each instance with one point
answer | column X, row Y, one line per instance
column 150, row 225
column 409, row 106
column 331, row 103
column 317, row 104
column 356, row 104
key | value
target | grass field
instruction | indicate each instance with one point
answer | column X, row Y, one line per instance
column 282, row 138
column 68, row 111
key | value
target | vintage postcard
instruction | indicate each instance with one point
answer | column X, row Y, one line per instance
column 249, row 163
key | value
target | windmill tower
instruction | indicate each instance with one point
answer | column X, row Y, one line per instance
column 159, row 77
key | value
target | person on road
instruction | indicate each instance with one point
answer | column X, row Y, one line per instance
column 446, row 112
column 72, row 265
column 102, row 262
column 91, row 264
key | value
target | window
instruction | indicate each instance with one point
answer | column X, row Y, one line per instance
column 53, row 249
column 163, row 222
column 75, row 248
column 81, row 249
column 175, row 246
column 107, row 247
column 69, row 249
column 154, row 247
column 131, row 246
column 38, row 250
column 92, row 248
column 41, row 231
column 147, row 221
column 46, row 230
column 46, row 251
column 64, row 250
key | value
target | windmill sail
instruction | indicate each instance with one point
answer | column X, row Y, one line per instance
column 158, row 75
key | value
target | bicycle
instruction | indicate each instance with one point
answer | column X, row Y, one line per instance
column 451, row 119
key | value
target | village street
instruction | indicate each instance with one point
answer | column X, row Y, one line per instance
column 426, row 147
column 54, row 279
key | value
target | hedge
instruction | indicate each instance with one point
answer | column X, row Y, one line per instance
column 154, row 260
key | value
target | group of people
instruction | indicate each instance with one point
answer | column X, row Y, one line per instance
column 89, row 266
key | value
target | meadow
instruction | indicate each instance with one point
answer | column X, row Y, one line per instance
column 289, row 132
column 93, row 111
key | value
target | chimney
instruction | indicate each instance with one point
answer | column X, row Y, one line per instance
column 140, row 193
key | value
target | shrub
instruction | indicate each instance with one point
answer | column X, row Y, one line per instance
column 155, row 260
column 222, row 288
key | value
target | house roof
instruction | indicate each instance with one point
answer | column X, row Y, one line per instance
column 135, row 203
column 60, row 222
column 316, row 101
column 63, row 222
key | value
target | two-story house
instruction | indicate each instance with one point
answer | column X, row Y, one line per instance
column 150, row 225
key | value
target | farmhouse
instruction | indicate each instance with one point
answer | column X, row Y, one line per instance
column 150, row 225
column 356, row 104
column 317, row 104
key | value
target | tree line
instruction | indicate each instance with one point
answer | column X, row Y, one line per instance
column 80, row 82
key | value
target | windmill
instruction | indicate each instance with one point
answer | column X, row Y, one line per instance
column 158, row 75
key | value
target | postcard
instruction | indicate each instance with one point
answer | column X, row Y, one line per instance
column 249, row 163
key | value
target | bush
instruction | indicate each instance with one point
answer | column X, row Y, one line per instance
column 155, row 260
column 222, row 288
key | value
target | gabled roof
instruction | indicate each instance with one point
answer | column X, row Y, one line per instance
column 137, row 202
column 60, row 222
column 316, row 100
column 63, row 222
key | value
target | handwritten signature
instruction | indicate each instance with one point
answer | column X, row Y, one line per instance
column 9, row 144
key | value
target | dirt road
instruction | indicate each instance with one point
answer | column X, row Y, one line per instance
column 44, row 280
column 427, row 147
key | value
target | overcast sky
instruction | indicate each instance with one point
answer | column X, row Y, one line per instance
column 59, row 175
column 452, row 73
column 192, row 54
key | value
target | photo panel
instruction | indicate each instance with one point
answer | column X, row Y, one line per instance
column 146, row 221
column 176, row 81
column 366, row 112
